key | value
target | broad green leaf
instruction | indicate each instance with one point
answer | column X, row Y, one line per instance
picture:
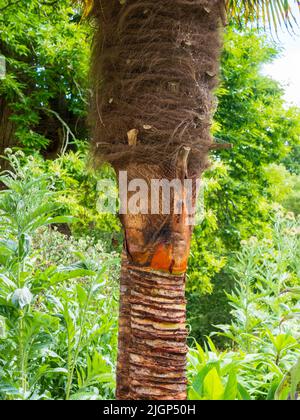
column 231, row 390
column 243, row 393
column 213, row 388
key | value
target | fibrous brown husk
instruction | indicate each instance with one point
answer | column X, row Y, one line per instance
column 154, row 71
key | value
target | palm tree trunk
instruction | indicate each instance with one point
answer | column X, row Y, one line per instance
column 152, row 336
column 152, row 331
column 155, row 65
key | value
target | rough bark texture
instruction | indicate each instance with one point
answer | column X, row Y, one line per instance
column 152, row 341
column 155, row 64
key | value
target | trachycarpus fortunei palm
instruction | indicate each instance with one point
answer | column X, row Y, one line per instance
column 155, row 66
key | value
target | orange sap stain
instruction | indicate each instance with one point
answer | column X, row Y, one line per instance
column 164, row 260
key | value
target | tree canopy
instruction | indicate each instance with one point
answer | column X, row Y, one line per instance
column 47, row 58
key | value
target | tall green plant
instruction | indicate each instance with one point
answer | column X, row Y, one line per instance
column 45, row 309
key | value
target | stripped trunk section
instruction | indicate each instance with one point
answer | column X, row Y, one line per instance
column 152, row 335
column 158, row 336
column 152, row 330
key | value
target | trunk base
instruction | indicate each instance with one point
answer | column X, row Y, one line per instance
column 152, row 336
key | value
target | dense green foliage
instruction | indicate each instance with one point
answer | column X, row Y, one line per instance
column 47, row 56
column 59, row 258
column 243, row 183
column 264, row 331
column 58, row 323
column 58, row 306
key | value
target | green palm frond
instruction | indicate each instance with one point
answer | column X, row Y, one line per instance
column 264, row 12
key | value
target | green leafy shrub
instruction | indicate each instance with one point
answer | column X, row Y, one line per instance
column 58, row 316
column 265, row 299
column 214, row 375
column 236, row 375
column 46, row 86
column 239, row 190
column 76, row 189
